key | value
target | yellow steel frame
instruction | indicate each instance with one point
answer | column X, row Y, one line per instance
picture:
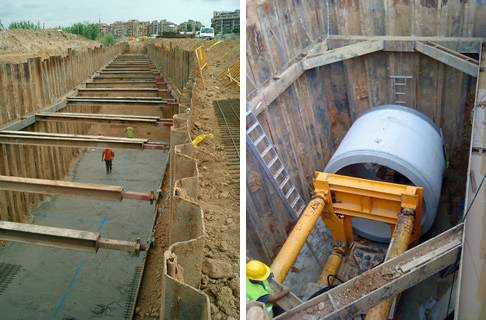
column 234, row 72
column 202, row 59
column 349, row 197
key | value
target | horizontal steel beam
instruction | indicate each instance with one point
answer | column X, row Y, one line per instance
column 124, row 81
column 76, row 141
column 69, row 140
column 130, row 72
column 121, row 100
column 109, row 84
column 119, row 89
column 151, row 99
column 63, row 238
column 102, row 118
column 126, row 76
column 77, row 189
column 132, row 69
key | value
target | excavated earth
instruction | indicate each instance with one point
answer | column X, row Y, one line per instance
column 218, row 197
column 16, row 46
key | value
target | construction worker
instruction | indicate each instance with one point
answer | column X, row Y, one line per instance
column 258, row 287
column 130, row 132
column 108, row 156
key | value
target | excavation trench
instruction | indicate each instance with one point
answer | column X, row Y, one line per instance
column 305, row 110
column 66, row 284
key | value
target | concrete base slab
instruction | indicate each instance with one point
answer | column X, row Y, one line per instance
column 64, row 284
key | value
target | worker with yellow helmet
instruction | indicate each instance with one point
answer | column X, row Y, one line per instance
column 258, row 287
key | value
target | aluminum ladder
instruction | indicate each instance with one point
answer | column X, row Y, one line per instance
column 258, row 139
column 400, row 88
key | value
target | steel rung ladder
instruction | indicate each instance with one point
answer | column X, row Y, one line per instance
column 255, row 134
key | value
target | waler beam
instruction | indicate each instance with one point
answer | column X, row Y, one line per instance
column 103, row 118
column 77, row 189
column 63, row 238
column 121, row 100
column 76, row 141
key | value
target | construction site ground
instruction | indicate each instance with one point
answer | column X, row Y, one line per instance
column 218, row 195
column 68, row 284
column 16, row 46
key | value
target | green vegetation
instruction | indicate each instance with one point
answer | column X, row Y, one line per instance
column 92, row 32
column 107, row 39
column 87, row 30
column 84, row 29
column 25, row 25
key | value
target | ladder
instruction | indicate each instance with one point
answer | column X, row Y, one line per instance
column 275, row 168
column 400, row 88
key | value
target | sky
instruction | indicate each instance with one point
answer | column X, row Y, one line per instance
column 65, row 12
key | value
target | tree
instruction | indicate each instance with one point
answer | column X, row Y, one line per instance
column 85, row 29
column 107, row 39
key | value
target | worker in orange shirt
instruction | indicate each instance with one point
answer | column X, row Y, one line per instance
column 108, row 156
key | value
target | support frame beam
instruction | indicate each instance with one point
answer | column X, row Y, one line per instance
column 449, row 57
column 357, row 295
column 63, row 238
column 69, row 188
column 343, row 53
column 76, row 141
column 399, row 43
column 276, row 87
column 279, row 83
column 102, row 118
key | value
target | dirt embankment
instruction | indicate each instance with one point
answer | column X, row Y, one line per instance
column 16, row 46
column 218, row 199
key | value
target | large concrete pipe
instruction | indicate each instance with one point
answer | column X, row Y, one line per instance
column 397, row 144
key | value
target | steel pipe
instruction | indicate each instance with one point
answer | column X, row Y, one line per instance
column 397, row 144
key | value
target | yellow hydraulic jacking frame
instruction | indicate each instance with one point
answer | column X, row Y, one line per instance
column 337, row 200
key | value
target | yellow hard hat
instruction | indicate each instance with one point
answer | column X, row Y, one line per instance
column 257, row 270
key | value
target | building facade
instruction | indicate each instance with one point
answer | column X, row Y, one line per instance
column 135, row 28
column 226, row 21
column 189, row 26
column 104, row 28
column 154, row 28
column 167, row 26
column 119, row 29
